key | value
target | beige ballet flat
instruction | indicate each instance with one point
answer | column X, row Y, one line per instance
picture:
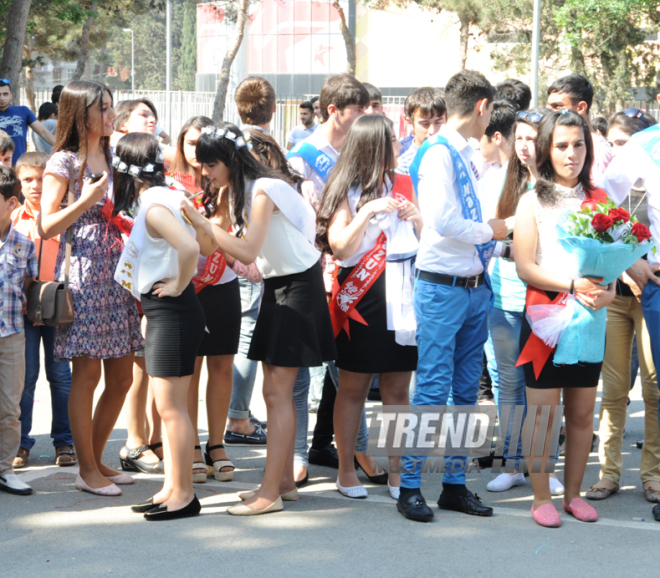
column 291, row 496
column 242, row 510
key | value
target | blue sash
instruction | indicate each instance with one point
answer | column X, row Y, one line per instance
column 469, row 199
column 649, row 139
column 319, row 161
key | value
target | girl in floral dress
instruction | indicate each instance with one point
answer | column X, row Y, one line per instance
column 105, row 331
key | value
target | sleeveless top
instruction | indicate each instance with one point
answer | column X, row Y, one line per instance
column 370, row 235
column 158, row 259
column 549, row 253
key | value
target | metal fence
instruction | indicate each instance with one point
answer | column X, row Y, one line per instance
column 176, row 107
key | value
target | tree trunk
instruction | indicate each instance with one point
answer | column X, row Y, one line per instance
column 84, row 42
column 12, row 57
column 349, row 41
column 223, row 81
column 464, row 38
column 29, row 77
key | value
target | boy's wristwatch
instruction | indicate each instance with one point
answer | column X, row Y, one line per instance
column 506, row 252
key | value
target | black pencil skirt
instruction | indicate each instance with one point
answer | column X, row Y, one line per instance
column 222, row 310
column 175, row 327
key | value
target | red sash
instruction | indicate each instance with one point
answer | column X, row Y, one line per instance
column 345, row 298
column 213, row 271
column 535, row 349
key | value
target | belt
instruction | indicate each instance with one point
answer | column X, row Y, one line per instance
column 440, row 279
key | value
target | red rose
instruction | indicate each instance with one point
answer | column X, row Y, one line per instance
column 591, row 204
column 619, row 215
column 601, row 222
column 641, row 231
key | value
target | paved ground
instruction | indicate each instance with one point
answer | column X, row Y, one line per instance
column 60, row 532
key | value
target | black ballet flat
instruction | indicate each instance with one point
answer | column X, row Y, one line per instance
column 161, row 514
column 303, row 482
column 145, row 507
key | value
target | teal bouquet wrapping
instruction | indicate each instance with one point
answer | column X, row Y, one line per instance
column 602, row 241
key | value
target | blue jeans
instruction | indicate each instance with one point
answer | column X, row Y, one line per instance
column 502, row 352
column 300, row 396
column 58, row 374
column 651, row 308
column 452, row 327
column 245, row 370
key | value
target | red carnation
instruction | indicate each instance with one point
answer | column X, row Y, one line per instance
column 589, row 204
column 619, row 215
column 601, row 222
column 641, row 231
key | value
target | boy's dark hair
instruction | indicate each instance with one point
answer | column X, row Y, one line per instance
column 255, row 100
column 576, row 86
column 515, row 91
column 125, row 108
column 342, row 90
column 502, row 119
column 46, row 110
column 313, row 99
column 57, row 91
column 6, row 143
column 5, row 83
column 427, row 101
column 10, row 186
column 600, row 125
column 33, row 159
column 307, row 105
column 374, row 92
column 464, row 90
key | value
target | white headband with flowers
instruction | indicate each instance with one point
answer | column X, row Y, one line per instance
column 135, row 170
column 216, row 132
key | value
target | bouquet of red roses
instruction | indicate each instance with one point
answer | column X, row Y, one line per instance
column 600, row 240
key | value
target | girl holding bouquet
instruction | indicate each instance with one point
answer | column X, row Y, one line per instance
column 564, row 156
column 625, row 318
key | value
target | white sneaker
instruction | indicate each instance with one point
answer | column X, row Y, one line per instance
column 11, row 484
column 505, row 482
column 556, row 488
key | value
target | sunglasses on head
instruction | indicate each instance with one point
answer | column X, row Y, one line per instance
column 530, row 116
column 636, row 113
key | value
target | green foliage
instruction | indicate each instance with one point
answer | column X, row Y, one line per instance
column 188, row 61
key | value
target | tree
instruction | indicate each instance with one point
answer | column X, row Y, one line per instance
column 84, row 40
column 12, row 55
column 241, row 7
column 188, row 60
column 349, row 41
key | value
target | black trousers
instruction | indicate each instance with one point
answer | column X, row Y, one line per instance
column 324, row 430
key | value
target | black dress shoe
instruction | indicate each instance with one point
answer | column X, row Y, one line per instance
column 326, row 456
column 381, row 479
column 160, row 513
column 414, row 507
column 470, row 504
column 256, row 422
column 257, row 438
column 145, row 507
column 656, row 512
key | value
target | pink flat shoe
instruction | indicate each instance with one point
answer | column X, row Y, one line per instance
column 581, row 510
column 122, row 479
column 110, row 490
column 547, row 516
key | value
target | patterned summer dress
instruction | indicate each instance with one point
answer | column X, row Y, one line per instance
column 106, row 323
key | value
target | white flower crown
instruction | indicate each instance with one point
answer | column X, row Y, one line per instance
column 216, row 132
column 135, row 170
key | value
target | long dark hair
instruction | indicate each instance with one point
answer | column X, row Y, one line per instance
column 138, row 149
column 269, row 153
column 180, row 164
column 77, row 98
column 517, row 174
column 241, row 164
column 366, row 161
column 545, row 185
